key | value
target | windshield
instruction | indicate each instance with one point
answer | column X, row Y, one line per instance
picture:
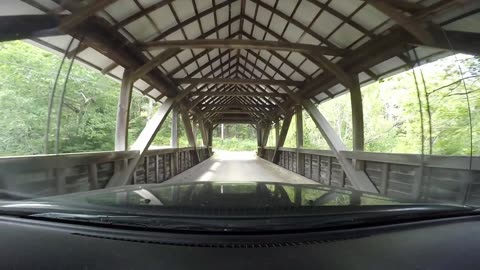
column 239, row 109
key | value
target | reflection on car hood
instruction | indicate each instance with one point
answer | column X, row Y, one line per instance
column 213, row 196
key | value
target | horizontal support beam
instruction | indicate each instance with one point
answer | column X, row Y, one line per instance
column 235, row 106
column 236, row 118
column 237, row 81
column 237, row 94
column 242, row 44
column 232, row 112
column 227, row 121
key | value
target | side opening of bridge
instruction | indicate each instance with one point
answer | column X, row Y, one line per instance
column 242, row 70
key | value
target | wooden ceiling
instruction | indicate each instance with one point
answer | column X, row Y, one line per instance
column 242, row 60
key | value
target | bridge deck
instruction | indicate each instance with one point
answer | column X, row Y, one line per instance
column 238, row 166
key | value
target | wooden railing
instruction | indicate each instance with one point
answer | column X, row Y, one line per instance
column 48, row 175
column 162, row 164
column 437, row 179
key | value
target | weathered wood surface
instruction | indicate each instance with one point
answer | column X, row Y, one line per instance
column 49, row 175
column 402, row 176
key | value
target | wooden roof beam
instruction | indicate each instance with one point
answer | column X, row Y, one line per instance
column 237, row 81
column 413, row 26
column 236, row 105
column 240, row 94
column 242, row 44
column 81, row 15
column 163, row 57
column 144, row 12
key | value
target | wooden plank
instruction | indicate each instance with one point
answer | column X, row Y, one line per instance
column 93, row 176
column 242, row 44
column 143, row 142
column 452, row 162
column 237, row 81
column 157, row 169
column 41, row 162
column 123, row 112
column 385, row 174
column 146, row 166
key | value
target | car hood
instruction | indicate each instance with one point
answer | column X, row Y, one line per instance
column 210, row 197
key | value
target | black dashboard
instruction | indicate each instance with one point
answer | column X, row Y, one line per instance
column 441, row 244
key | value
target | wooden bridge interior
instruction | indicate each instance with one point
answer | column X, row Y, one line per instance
column 246, row 61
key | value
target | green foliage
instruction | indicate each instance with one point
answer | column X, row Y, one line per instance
column 235, row 138
column 89, row 110
column 235, row 144
column 392, row 116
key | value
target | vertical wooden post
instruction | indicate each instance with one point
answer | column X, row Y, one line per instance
column 123, row 112
column 189, row 131
column 146, row 168
column 385, row 173
column 283, row 135
column 174, row 134
column 157, row 170
column 357, row 121
column 277, row 129
column 259, row 140
column 164, row 165
column 205, row 135
column 265, row 135
column 299, row 127
column 210, row 139
column 93, row 176
column 174, row 141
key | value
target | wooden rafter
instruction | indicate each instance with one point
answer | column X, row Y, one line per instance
column 144, row 12
column 296, row 23
column 192, row 19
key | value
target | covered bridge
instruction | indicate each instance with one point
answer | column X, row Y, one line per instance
column 246, row 61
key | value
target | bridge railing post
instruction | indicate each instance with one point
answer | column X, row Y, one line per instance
column 299, row 127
